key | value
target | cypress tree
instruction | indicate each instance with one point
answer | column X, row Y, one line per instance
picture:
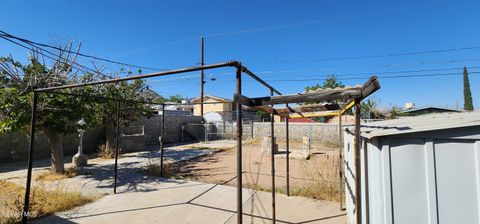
column 467, row 94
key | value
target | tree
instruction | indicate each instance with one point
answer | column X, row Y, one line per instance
column 395, row 112
column 367, row 108
column 176, row 99
column 56, row 114
column 172, row 99
column 467, row 94
column 130, row 110
column 331, row 82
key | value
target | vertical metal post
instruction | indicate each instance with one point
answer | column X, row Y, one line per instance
column 287, row 140
column 117, row 142
column 272, row 131
column 340, row 158
column 202, row 78
column 358, row 171
column 30, row 158
column 162, row 140
column 239, row 147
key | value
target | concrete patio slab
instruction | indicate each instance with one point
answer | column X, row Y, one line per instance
column 195, row 202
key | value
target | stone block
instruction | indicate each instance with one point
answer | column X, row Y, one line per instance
column 300, row 154
column 267, row 146
column 80, row 160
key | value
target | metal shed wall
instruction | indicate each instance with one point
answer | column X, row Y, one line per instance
column 425, row 177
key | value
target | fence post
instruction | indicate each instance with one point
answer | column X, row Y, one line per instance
column 251, row 129
column 206, row 131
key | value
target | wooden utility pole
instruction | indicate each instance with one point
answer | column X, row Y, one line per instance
column 202, row 79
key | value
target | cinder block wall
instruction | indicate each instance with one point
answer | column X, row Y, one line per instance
column 318, row 132
column 14, row 146
column 173, row 128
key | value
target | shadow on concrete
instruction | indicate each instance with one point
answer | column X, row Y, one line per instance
column 56, row 219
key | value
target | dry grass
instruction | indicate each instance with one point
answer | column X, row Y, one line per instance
column 325, row 180
column 259, row 187
column 49, row 176
column 153, row 168
column 252, row 141
column 105, row 153
column 42, row 201
column 329, row 144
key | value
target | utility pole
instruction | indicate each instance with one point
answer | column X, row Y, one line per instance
column 202, row 79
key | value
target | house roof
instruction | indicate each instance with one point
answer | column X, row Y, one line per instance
column 431, row 107
column 221, row 99
column 430, row 122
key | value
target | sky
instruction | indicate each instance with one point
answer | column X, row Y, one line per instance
column 290, row 44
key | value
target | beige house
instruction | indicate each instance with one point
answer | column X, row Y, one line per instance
column 214, row 104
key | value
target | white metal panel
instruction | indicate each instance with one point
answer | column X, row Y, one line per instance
column 431, row 182
column 387, row 183
column 430, row 122
column 432, row 177
column 365, row 183
column 409, row 181
column 375, row 181
column 349, row 178
column 457, row 185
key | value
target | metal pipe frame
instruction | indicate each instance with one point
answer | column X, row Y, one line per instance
column 202, row 79
column 340, row 158
column 143, row 76
column 235, row 64
column 358, row 171
column 273, row 144
column 103, row 97
column 239, row 148
column 26, row 204
column 287, row 142
column 117, row 142
column 162, row 140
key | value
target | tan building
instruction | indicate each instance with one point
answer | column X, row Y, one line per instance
column 214, row 104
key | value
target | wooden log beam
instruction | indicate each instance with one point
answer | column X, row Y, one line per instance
column 313, row 110
column 370, row 87
column 322, row 95
column 309, row 108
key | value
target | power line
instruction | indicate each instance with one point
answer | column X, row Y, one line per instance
column 380, row 77
column 73, row 64
column 371, row 56
column 351, row 74
column 392, row 72
column 78, row 53
column 295, row 24
column 261, row 29
column 80, row 67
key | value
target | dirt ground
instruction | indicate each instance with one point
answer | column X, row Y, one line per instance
column 220, row 168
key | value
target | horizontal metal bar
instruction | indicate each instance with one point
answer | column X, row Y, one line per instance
column 156, row 74
column 101, row 97
column 251, row 74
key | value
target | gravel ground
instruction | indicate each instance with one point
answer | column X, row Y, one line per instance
column 221, row 167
